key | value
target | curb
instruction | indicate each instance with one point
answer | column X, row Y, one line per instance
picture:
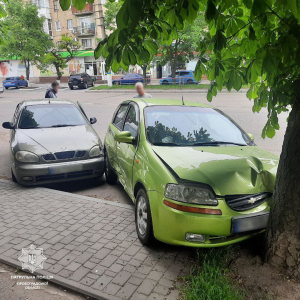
column 203, row 91
column 127, row 206
column 80, row 288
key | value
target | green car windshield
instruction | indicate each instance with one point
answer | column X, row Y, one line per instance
column 191, row 126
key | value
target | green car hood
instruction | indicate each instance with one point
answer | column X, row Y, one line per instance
column 229, row 170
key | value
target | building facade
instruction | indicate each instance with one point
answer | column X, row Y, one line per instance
column 86, row 26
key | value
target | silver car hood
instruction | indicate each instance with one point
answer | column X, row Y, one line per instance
column 45, row 140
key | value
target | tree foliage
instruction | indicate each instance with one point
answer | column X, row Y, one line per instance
column 252, row 42
column 54, row 56
column 184, row 46
column 112, row 8
column 28, row 41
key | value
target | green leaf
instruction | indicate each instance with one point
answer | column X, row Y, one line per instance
column 132, row 57
column 209, row 96
column 270, row 130
column 113, row 38
column 65, row 4
column 151, row 46
column 126, row 57
column 115, row 66
column 122, row 16
column 258, row 7
column 133, row 9
column 252, row 36
column 219, row 41
column 211, row 10
column 198, row 72
column 99, row 49
column 295, row 7
column 79, row 4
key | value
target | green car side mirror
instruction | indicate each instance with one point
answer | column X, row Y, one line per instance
column 124, row 137
column 251, row 136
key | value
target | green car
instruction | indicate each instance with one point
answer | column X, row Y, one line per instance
column 197, row 179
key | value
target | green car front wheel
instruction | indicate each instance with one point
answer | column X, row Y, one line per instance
column 143, row 218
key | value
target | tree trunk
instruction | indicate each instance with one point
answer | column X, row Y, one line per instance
column 27, row 67
column 144, row 68
column 58, row 72
column 283, row 232
column 173, row 71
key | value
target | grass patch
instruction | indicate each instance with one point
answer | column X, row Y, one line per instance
column 153, row 87
column 208, row 279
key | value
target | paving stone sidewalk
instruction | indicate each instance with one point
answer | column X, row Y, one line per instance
column 90, row 244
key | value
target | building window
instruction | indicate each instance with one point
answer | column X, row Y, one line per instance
column 86, row 43
column 70, row 24
column 103, row 1
column 55, row 4
column 50, row 27
column 39, row 3
column 57, row 26
column 58, row 44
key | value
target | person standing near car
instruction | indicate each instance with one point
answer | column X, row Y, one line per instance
column 141, row 91
column 53, row 90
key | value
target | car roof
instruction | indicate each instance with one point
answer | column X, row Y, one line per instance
column 175, row 102
column 45, row 101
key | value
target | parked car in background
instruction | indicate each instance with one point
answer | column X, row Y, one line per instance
column 81, row 80
column 53, row 141
column 131, row 78
column 181, row 77
column 197, row 179
column 15, row 82
column 1, row 88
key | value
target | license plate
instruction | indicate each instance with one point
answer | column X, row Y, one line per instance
column 65, row 169
column 249, row 223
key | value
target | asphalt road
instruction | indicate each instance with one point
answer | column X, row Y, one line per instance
column 102, row 106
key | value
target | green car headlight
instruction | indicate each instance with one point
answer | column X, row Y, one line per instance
column 190, row 194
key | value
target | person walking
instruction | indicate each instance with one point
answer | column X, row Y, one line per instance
column 141, row 91
column 53, row 90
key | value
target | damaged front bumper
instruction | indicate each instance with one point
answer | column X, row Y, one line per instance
column 172, row 225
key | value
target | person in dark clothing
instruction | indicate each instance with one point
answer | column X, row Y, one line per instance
column 53, row 90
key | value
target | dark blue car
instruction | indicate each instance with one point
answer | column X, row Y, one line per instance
column 131, row 78
column 15, row 82
column 181, row 77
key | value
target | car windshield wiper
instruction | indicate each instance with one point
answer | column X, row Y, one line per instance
column 216, row 143
column 61, row 125
column 166, row 144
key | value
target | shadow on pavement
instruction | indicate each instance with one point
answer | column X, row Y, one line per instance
column 95, row 188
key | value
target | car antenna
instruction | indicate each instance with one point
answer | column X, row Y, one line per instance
column 182, row 101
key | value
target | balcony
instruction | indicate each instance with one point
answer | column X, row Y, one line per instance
column 88, row 9
column 84, row 31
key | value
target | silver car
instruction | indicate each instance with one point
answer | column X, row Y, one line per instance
column 53, row 141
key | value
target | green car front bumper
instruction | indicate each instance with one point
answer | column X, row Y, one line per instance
column 171, row 225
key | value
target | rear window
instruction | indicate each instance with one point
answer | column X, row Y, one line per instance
column 10, row 78
column 77, row 76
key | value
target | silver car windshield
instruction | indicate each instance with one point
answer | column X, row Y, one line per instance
column 191, row 126
column 52, row 115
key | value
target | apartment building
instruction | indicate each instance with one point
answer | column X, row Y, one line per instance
column 87, row 27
